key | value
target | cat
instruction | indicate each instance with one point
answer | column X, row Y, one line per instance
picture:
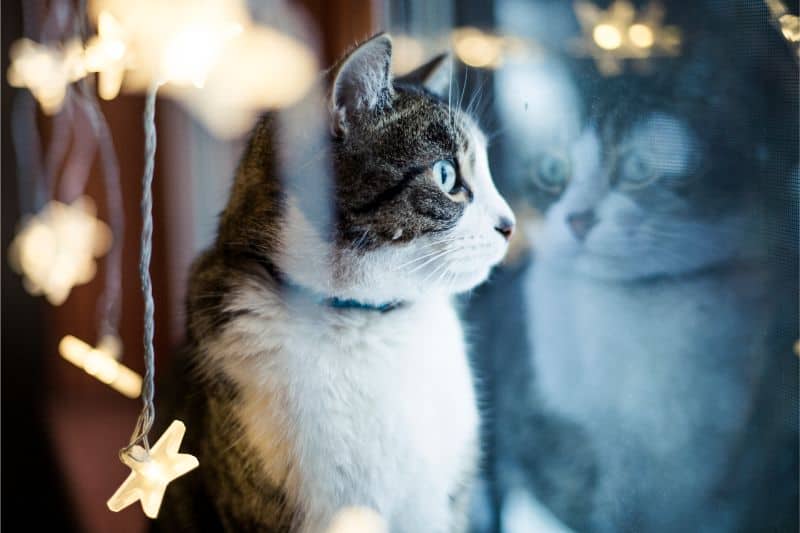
column 326, row 365
column 659, row 386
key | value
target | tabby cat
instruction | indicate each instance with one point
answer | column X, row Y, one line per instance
column 326, row 367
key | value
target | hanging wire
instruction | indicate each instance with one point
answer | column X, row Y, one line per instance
column 60, row 141
column 111, row 299
column 78, row 164
column 147, row 416
column 24, row 129
column 110, row 303
column 28, row 153
column 71, row 142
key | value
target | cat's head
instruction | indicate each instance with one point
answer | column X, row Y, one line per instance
column 406, row 203
column 643, row 174
column 638, row 206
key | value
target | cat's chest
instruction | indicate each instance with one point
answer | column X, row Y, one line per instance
column 378, row 409
column 636, row 360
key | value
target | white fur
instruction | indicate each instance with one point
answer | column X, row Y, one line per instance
column 356, row 408
column 350, row 407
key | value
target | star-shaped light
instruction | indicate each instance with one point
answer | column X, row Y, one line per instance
column 151, row 473
column 213, row 57
column 107, row 54
column 55, row 250
column 247, row 80
column 46, row 70
column 788, row 24
column 619, row 32
column 102, row 363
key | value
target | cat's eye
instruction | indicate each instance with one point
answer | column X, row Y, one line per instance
column 551, row 172
column 635, row 171
column 444, row 173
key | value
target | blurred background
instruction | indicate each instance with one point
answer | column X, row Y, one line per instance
column 636, row 354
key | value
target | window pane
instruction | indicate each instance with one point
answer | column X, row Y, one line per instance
column 636, row 351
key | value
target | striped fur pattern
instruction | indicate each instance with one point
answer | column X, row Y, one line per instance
column 297, row 409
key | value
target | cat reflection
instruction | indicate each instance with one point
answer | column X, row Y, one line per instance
column 649, row 310
column 631, row 208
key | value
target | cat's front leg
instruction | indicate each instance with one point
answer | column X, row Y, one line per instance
column 460, row 501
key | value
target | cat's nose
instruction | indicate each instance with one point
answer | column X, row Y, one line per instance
column 505, row 227
column 581, row 223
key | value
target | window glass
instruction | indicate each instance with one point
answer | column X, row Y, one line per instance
column 636, row 351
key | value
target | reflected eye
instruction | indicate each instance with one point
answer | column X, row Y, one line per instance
column 445, row 175
column 551, row 172
column 635, row 171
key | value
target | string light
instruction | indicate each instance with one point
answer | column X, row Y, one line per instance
column 182, row 44
column 607, row 37
column 407, row 54
column 190, row 54
column 152, row 471
column 477, row 48
column 357, row 520
column 152, row 468
column 56, row 249
column 641, row 35
column 45, row 70
column 102, row 363
column 242, row 67
column 620, row 32
column 790, row 27
column 481, row 49
column 788, row 24
column 107, row 54
column 262, row 69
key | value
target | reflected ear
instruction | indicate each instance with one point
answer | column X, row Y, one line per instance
column 362, row 81
column 435, row 75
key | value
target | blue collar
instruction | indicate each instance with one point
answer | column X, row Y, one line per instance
column 328, row 301
column 339, row 303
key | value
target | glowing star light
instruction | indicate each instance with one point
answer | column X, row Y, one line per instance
column 788, row 24
column 45, row 70
column 107, row 54
column 619, row 32
column 102, row 363
column 481, row 49
column 213, row 57
column 55, row 250
column 152, row 472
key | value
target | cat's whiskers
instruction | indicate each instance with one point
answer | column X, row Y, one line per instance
column 356, row 244
column 441, row 269
column 476, row 97
column 446, row 241
column 435, row 257
column 450, row 95
column 463, row 87
column 689, row 234
column 451, row 281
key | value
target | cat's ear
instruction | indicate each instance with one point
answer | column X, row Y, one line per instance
column 362, row 81
column 435, row 75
